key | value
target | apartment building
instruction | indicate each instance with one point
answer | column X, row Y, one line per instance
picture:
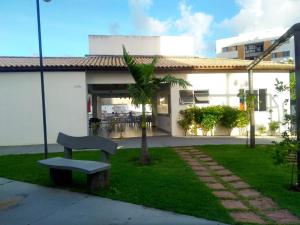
column 250, row 45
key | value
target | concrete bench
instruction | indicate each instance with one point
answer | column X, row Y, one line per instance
column 97, row 172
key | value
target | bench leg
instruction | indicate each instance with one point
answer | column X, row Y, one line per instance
column 104, row 179
column 61, row 177
column 93, row 181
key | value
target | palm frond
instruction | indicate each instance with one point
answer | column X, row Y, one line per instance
column 171, row 80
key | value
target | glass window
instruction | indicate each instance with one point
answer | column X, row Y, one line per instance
column 186, row 97
column 201, row 96
column 163, row 104
column 286, row 54
column 225, row 49
column 260, row 99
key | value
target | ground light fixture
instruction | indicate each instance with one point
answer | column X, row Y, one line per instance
column 42, row 76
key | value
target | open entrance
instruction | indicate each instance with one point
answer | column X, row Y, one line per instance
column 110, row 105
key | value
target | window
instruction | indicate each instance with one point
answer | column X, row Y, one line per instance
column 286, row 54
column 260, row 100
column 186, row 97
column 163, row 104
column 274, row 55
column 252, row 51
column 201, row 96
column 234, row 48
column 225, row 49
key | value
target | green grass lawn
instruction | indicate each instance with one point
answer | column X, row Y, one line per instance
column 256, row 167
column 168, row 183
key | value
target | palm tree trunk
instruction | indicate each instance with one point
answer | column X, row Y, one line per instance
column 298, row 169
column 145, row 159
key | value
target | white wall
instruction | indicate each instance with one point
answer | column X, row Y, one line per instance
column 108, row 77
column 223, row 90
column 21, row 110
column 141, row 45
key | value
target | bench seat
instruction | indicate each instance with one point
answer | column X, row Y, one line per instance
column 61, row 171
column 88, row 167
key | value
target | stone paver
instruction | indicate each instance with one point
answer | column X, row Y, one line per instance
column 283, row 217
column 230, row 178
column 239, row 185
column 212, row 163
column 203, row 173
column 206, row 159
column 249, row 193
column 216, row 186
column 193, row 163
column 208, row 179
column 224, row 195
column 233, row 204
column 247, row 217
column 263, row 203
column 198, row 168
column 223, row 172
column 216, row 167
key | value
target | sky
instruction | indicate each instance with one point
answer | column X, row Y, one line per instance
column 66, row 24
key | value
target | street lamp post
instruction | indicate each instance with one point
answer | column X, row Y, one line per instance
column 42, row 76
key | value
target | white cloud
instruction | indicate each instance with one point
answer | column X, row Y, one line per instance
column 263, row 14
column 145, row 23
column 196, row 24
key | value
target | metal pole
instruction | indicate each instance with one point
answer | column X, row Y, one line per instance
column 297, row 73
column 252, row 119
column 42, row 79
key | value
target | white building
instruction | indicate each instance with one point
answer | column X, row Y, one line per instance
column 69, row 81
column 252, row 44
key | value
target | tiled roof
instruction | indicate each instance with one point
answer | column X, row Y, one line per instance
column 164, row 63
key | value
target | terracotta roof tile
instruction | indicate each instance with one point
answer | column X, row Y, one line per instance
column 164, row 63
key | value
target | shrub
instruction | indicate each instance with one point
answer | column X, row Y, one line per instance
column 95, row 128
column 243, row 120
column 229, row 118
column 273, row 126
column 261, row 129
column 206, row 118
column 211, row 116
column 184, row 124
column 186, row 119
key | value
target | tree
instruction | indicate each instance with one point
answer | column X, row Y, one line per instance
column 142, row 91
column 288, row 147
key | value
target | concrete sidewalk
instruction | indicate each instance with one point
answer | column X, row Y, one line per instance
column 159, row 141
column 29, row 204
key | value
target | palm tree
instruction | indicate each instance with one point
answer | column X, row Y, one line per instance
column 142, row 91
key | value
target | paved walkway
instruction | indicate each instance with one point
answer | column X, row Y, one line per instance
column 162, row 141
column 24, row 204
column 244, row 203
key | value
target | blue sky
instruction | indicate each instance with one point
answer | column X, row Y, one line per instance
column 66, row 24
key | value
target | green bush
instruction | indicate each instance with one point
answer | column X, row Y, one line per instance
column 184, row 124
column 186, row 119
column 229, row 119
column 243, row 120
column 273, row 126
column 261, row 129
column 206, row 118
column 210, row 117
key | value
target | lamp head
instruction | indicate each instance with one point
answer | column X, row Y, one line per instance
column 47, row 0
